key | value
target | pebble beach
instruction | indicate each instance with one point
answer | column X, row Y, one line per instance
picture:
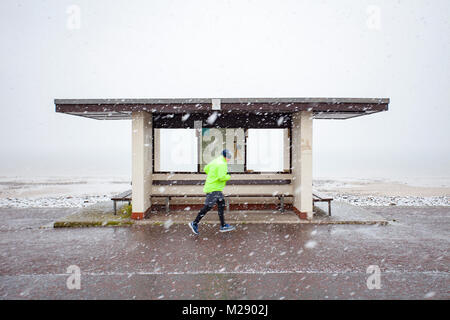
column 71, row 192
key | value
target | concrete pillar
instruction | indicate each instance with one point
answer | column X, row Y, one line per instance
column 141, row 165
column 302, row 132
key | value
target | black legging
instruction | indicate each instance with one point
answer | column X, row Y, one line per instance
column 211, row 199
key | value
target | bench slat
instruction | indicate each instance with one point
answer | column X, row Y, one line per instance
column 231, row 182
column 126, row 195
column 317, row 198
column 226, row 195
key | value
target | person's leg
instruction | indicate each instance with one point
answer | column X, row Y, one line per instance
column 209, row 203
column 221, row 208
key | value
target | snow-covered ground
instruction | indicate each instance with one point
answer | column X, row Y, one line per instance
column 59, row 192
column 70, row 192
column 408, row 191
column 360, row 200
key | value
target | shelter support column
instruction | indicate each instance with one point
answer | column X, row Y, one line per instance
column 302, row 132
column 141, row 164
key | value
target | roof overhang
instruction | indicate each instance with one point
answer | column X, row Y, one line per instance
column 322, row 108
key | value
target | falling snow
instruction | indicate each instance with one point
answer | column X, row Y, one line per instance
column 212, row 118
column 311, row 244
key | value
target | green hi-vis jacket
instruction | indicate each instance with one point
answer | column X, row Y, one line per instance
column 217, row 175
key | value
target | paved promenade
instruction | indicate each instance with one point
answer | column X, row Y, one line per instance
column 257, row 261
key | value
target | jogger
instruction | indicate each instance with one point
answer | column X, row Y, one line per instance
column 217, row 177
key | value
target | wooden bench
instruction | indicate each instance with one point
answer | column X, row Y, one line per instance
column 124, row 196
column 279, row 196
column 226, row 196
column 317, row 198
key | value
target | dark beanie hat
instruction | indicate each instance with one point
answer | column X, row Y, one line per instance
column 226, row 153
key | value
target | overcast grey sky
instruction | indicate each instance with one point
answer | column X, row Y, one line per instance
column 164, row 49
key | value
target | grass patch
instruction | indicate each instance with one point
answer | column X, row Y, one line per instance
column 125, row 211
column 318, row 212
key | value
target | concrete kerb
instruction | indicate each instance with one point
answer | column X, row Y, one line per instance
column 96, row 215
column 355, row 222
column 102, row 215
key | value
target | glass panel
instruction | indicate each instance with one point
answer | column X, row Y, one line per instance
column 178, row 150
column 266, row 150
column 182, row 150
column 214, row 140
